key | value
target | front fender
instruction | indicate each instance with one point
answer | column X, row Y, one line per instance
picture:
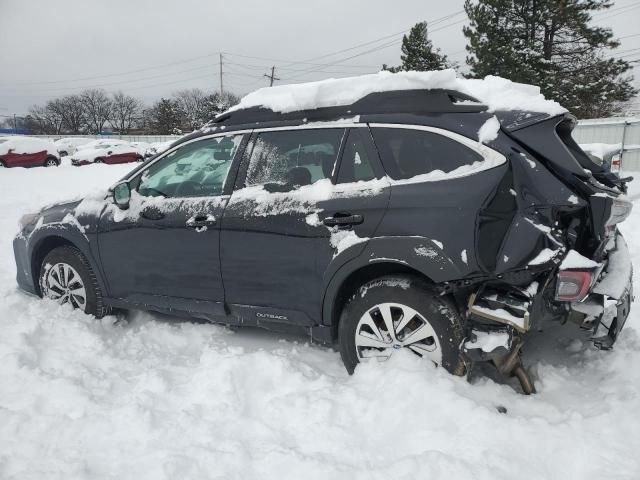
column 67, row 231
column 426, row 256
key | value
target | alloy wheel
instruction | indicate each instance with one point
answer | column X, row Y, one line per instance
column 64, row 284
column 51, row 163
column 387, row 327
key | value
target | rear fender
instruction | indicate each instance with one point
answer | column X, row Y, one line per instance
column 539, row 197
column 421, row 255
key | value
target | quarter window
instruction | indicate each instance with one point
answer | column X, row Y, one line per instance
column 406, row 153
column 197, row 169
column 293, row 158
column 355, row 165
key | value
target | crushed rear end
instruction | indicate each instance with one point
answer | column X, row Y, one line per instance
column 561, row 257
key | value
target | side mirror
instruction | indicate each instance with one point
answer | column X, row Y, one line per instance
column 10, row 150
column 109, row 152
column 122, row 195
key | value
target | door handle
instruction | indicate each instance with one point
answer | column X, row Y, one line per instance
column 343, row 219
column 201, row 220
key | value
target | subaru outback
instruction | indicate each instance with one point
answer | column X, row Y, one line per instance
column 380, row 225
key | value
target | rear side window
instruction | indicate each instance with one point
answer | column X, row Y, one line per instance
column 293, row 157
column 406, row 153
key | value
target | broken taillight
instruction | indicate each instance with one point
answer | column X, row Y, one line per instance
column 620, row 210
column 573, row 285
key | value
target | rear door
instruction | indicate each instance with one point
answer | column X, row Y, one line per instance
column 288, row 219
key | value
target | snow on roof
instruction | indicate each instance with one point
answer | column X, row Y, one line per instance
column 22, row 144
column 495, row 92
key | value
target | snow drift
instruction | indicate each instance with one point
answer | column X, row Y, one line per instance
column 156, row 398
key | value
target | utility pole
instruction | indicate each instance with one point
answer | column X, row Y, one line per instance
column 271, row 77
column 221, row 89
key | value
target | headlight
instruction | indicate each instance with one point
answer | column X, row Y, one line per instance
column 28, row 219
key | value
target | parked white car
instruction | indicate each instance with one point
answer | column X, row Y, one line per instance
column 69, row 145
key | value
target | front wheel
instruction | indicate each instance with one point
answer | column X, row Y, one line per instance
column 393, row 313
column 66, row 277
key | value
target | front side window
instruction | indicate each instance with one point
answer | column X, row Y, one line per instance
column 406, row 153
column 293, row 158
column 196, row 169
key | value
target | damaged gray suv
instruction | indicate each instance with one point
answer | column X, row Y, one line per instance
column 380, row 225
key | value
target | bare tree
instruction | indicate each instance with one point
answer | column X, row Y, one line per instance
column 46, row 119
column 193, row 105
column 73, row 113
column 125, row 110
column 97, row 106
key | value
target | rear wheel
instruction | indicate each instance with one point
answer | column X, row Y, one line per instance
column 2, row 165
column 51, row 162
column 139, row 159
column 394, row 313
column 99, row 160
column 66, row 277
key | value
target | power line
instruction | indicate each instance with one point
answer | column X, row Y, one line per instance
column 620, row 11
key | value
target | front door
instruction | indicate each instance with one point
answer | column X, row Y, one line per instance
column 164, row 250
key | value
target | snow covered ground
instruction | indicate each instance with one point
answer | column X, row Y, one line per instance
column 157, row 398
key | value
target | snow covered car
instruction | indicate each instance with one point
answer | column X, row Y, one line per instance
column 69, row 145
column 157, row 147
column 19, row 151
column 415, row 212
column 107, row 152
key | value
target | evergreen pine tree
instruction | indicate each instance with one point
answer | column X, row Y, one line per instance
column 418, row 53
column 549, row 43
column 166, row 117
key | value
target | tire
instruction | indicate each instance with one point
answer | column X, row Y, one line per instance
column 51, row 162
column 99, row 160
column 140, row 159
column 2, row 165
column 395, row 298
column 64, row 271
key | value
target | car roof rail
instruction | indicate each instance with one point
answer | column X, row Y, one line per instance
column 395, row 101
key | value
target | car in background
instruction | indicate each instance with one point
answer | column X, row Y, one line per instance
column 141, row 146
column 158, row 147
column 20, row 151
column 109, row 153
column 69, row 145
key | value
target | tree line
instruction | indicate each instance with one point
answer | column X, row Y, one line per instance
column 94, row 110
column 548, row 43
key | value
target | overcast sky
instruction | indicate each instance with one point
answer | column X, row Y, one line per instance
column 148, row 48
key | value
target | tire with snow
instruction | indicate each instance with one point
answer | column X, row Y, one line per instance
column 391, row 313
column 99, row 160
column 51, row 162
column 67, row 277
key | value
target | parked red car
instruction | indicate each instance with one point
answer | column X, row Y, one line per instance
column 21, row 151
column 106, row 153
